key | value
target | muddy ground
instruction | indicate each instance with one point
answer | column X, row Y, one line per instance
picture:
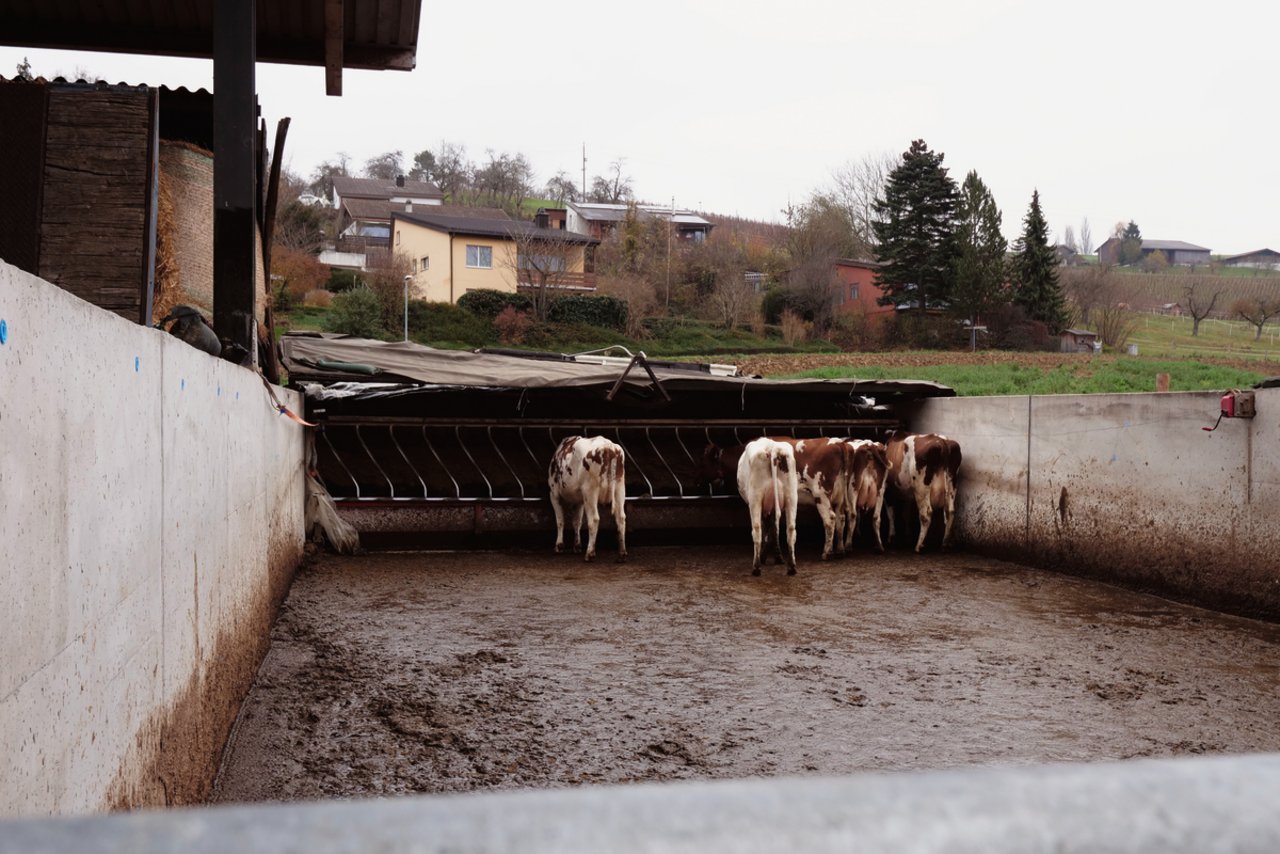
column 438, row 672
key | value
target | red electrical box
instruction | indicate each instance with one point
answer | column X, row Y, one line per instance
column 1234, row 404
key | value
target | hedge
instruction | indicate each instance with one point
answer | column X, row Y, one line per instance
column 489, row 304
column 609, row 312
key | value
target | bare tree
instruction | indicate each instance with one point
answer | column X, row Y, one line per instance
column 385, row 166
column 612, row 187
column 1086, row 290
column 322, row 176
column 855, row 188
column 640, row 296
column 1086, row 237
column 1114, row 320
column 505, row 181
column 1199, row 300
column 1069, row 239
column 562, row 189
column 545, row 262
column 453, row 171
column 1256, row 310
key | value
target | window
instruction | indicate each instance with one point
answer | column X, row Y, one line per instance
column 415, row 265
column 426, row 263
column 853, row 293
column 479, row 256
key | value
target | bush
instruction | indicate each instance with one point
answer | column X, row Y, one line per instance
column 342, row 280
column 512, row 325
column 357, row 312
column 773, row 303
column 609, row 312
column 488, row 304
column 445, row 324
column 317, row 299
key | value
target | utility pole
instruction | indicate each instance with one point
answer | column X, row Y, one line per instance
column 670, row 226
column 584, row 171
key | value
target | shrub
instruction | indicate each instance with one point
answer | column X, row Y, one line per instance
column 773, row 303
column 794, row 327
column 512, row 325
column 357, row 312
column 342, row 280
column 609, row 312
column 488, row 304
column 443, row 323
column 318, row 298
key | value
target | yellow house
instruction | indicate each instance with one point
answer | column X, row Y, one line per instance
column 449, row 255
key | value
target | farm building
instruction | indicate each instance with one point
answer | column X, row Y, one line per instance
column 856, row 290
column 1079, row 341
column 1260, row 259
column 599, row 220
column 1176, row 252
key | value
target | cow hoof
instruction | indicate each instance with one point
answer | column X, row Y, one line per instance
column 622, row 558
column 559, row 549
column 755, row 571
column 791, row 570
column 825, row 557
column 589, row 556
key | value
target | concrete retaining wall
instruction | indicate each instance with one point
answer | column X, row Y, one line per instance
column 151, row 517
column 1124, row 487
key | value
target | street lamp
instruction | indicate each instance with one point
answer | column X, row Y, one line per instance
column 407, row 279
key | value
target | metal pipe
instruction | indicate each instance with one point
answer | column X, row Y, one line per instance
column 514, row 476
column 390, row 485
column 392, row 431
column 338, row 457
column 457, row 435
column 457, row 489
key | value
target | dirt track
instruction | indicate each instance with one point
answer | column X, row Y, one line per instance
column 399, row 673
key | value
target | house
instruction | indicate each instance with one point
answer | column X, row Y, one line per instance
column 400, row 190
column 553, row 218
column 453, row 253
column 1177, row 252
column 1259, row 259
column 1067, row 256
column 857, row 291
column 1079, row 341
column 599, row 220
column 364, row 228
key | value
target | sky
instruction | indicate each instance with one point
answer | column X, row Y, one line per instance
column 1162, row 113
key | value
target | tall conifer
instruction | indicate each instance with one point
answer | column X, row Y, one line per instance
column 980, row 271
column 916, row 230
column 1035, row 271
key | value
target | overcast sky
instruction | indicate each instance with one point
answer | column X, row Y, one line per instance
column 1163, row 113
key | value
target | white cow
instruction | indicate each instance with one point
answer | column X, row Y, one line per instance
column 868, row 474
column 584, row 474
column 767, row 481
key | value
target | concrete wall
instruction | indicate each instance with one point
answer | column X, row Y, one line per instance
column 1167, row 806
column 1124, row 487
column 151, row 514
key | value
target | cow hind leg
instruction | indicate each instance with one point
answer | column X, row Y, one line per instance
column 791, row 540
column 578, row 511
column 620, row 519
column 558, row 510
column 926, row 518
column 591, row 505
column 757, row 534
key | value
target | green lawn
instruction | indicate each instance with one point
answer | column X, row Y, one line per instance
column 1157, row 335
column 1089, row 376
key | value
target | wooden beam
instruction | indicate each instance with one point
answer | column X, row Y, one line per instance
column 334, row 20
column 235, row 124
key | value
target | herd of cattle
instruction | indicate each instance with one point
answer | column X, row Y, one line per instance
column 847, row 480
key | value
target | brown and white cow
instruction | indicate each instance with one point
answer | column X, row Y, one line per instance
column 585, row 473
column 767, row 482
column 822, row 469
column 924, row 468
column 868, row 474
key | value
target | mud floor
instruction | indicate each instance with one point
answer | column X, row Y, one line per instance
column 434, row 672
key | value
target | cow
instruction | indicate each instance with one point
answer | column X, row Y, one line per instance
column 584, row 474
column 924, row 468
column 868, row 473
column 767, row 481
column 821, row 471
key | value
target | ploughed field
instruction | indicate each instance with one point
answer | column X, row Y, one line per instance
column 443, row 672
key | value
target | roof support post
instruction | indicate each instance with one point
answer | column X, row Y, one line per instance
column 234, row 167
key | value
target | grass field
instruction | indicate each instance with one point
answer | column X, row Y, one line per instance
column 1157, row 335
column 1087, row 375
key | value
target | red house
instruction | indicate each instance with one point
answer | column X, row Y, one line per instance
column 856, row 291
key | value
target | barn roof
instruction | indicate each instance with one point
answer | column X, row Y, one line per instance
column 376, row 34
column 323, row 357
column 487, row 226
column 384, row 188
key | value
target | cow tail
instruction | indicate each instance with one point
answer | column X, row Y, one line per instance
column 777, row 505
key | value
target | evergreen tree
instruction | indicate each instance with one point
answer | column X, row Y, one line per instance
column 916, row 230
column 1035, row 272
column 980, row 270
column 1131, row 244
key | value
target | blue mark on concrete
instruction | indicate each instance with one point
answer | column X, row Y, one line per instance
column 137, row 364
column 237, row 395
column 219, row 391
column 183, row 385
column 4, row 331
